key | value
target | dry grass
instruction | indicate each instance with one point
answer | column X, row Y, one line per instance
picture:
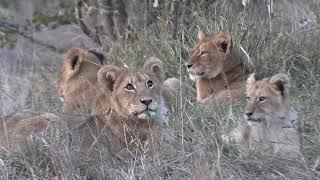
column 194, row 151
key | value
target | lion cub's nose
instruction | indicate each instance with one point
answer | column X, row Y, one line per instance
column 189, row 65
column 249, row 113
column 146, row 101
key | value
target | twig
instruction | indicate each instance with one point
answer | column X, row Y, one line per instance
column 174, row 19
column 86, row 30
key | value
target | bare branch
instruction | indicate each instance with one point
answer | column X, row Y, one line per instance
column 106, row 9
column 146, row 13
column 187, row 18
column 86, row 30
column 120, row 18
column 174, row 18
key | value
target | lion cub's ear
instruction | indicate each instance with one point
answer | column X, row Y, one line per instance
column 73, row 59
column 251, row 81
column 107, row 76
column 280, row 82
column 201, row 35
column 154, row 65
column 224, row 41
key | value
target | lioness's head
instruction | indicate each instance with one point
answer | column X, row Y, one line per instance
column 78, row 78
column 136, row 93
column 207, row 58
column 267, row 99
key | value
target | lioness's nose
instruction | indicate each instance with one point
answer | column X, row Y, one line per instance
column 189, row 65
column 146, row 101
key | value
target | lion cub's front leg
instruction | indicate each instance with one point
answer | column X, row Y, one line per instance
column 204, row 101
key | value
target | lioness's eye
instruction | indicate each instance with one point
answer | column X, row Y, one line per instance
column 262, row 98
column 248, row 98
column 129, row 87
column 149, row 83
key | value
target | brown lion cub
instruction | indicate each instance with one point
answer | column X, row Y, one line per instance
column 137, row 109
column 217, row 68
column 269, row 117
column 78, row 81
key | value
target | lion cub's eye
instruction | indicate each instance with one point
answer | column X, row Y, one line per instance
column 248, row 98
column 129, row 87
column 262, row 98
column 203, row 53
column 149, row 84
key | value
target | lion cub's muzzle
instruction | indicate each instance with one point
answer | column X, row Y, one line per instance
column 250, row 116
column 145, row 109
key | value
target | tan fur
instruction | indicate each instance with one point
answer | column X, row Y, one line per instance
column 130, row 118
column 17, row 127
column 269, row 117
column 217, row 68
column 132, row 122
column 78, row 82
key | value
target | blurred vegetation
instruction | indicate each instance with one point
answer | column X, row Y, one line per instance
column 50, row 16
column 195, row 153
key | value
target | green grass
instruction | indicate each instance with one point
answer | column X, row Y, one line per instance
column 195, row 151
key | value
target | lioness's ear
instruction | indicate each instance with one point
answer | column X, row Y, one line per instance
column 154, row 65
column 280, row 82
column 107, row 76
column 224, row 41
column 201, row 35
column 73, row 59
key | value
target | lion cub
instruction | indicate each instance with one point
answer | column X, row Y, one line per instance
column 78, row 81
column 217, row 68
column 138, row 108
column 269, row 117
column 129, row 108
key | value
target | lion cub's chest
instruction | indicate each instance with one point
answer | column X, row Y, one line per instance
column 119, row 134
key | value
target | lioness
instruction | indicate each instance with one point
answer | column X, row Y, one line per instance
column 269, row 117
column 78, row 81
column 217, row 68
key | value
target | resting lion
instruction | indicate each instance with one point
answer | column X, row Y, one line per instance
column 269, row 117
column 17, row 127
column 139, row 106
column 78, row 81
column 136, row 110
column 217, row 68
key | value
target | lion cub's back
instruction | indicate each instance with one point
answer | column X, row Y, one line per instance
column 16, row 127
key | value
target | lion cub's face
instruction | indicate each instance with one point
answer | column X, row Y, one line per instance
column 267, row 99
column 135, row 93
column 138, row 94
column 207, row 58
